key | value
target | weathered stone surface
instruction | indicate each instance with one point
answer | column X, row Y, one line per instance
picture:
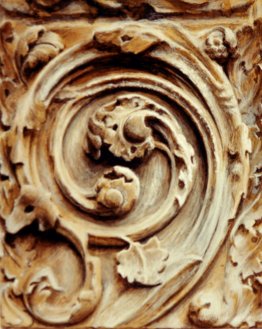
column 130, row 163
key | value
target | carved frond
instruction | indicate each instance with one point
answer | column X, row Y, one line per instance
column 35, row 49
column 245, row 71
column 143, row 263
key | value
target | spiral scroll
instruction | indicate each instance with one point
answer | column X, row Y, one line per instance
column 134, row 134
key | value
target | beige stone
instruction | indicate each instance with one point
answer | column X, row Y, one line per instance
column 130, row 163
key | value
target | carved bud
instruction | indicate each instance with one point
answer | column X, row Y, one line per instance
column 220, row 44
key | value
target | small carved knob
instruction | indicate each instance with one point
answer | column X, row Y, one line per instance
column 118, row 190
column 135, row 129
column 112, row 198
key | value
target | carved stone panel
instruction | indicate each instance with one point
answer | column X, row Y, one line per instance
column 130, row 163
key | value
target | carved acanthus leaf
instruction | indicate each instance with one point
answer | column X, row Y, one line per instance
column 36, row 48
column 32, row 204
column 13, row 313
column 14, row 262
column 143, row 263
column 245, row 71
column 30, row 264
column 9, row 186
column 255, row 160
column 239, row 301
column 9, row 80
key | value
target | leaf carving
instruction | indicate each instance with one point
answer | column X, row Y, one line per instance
column 9, row 187
column 12, row 315
column 127, row 40
column 245, row 70
column 36, row 48
column 14, row 262
column 239, row 300
column 10, row 84
column 29, row 206
column 143, row 263
column 34, row 284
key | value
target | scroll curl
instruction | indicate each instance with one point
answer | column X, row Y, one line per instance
column 132, row 133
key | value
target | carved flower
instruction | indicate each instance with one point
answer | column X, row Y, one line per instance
column 122, row 127
column 220, row 43
column 118, row 190
column 143, row 263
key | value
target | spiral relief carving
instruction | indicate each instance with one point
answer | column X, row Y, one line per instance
column 129, row 147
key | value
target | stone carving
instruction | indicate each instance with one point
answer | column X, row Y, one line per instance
column 36, row 48
column 47, row 293
column 245, row 73
column 143, row 263
column 30, row 205
column 220, row 44
column 140, row 8
column 239, row 301
column 117, row 190
column 130, row 164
